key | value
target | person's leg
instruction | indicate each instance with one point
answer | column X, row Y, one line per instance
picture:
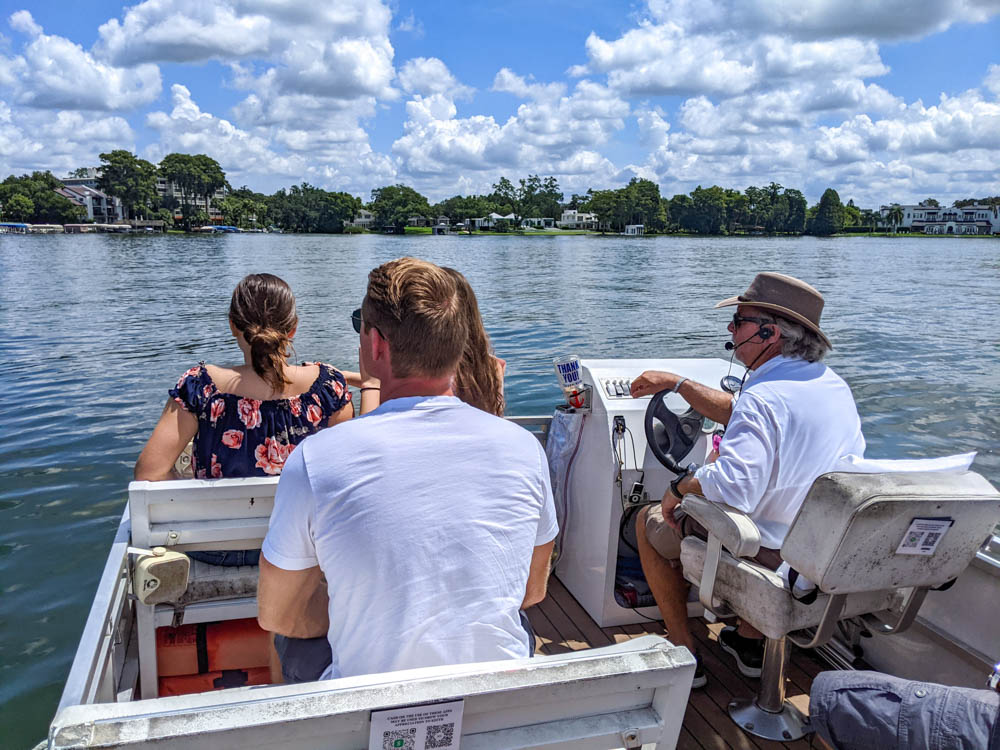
column 665, row 579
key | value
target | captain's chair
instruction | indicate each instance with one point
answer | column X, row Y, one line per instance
column 873, row 544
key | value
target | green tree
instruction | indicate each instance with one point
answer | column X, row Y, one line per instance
column 678, row 208
column 507, row 197
column 130, row 179
column 19, row 207
column 895, row 216
column 829, row 217
column 394, row 204
column 796, row 221
column 708, row 210
column 49, row 206
column 197, row 176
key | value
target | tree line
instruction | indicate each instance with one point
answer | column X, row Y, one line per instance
column 196, row 180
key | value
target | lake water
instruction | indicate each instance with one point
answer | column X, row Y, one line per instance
column 94, row 329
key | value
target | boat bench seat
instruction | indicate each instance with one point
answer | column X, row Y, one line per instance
column 199, row 514
column 207, row 582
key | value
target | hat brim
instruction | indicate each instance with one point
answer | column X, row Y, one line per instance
column 791, row 314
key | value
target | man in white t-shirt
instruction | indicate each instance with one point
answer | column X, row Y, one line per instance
column 431, row 521
column 793, row 420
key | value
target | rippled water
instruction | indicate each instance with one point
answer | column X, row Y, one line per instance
column 94, row 329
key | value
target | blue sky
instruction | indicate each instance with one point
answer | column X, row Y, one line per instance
column 888, row 101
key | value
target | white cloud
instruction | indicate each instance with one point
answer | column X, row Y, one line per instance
column 824, row 19
column 60, row 142
column 54, row 73
column 411, row 25
column 992, row 80
column 428, row 75
column 553, row 132
column 337, row 155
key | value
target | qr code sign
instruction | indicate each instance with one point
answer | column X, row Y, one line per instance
column 441, row 735
column 399, row 739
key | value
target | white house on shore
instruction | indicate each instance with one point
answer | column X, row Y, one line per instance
column 973, row 219
column 572, row 219
column 488, row 222
column 538, row 223
column 364, row 219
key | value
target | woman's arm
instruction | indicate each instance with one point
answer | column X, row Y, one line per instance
column 371, row 395
column 175, row 430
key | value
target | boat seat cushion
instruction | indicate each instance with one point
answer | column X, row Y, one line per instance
column 208, row 582
column 762, row 597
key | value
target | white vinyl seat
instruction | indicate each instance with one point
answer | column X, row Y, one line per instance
column 846, row 538
column 199, row 514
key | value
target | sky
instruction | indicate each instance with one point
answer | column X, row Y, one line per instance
column 889, row 101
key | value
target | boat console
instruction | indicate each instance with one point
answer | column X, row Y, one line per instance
column 613, row 473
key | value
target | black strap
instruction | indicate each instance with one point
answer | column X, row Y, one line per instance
column 807, row 598
column 202, row 645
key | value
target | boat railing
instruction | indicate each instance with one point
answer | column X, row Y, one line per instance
column 627, row 695
column 97, row 671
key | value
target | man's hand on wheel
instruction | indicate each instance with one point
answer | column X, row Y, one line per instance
column 653, row 381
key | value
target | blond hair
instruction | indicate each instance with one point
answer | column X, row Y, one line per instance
column 415, row 306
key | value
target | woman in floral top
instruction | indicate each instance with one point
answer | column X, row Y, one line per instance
column 245, row 420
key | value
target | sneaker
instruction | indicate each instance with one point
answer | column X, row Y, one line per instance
column 748, row 652
column 700, row 680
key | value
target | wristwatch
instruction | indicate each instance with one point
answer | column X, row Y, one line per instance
column 688, row 471
column 673, row 486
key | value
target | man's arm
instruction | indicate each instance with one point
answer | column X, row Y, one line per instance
column 713, row 403
column 538, row 575
column 292, row 602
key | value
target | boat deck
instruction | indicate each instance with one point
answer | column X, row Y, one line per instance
column 562, row 625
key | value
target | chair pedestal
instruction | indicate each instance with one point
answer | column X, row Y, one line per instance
column 769, row 715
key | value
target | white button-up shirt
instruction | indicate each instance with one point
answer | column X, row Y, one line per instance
column 792, row 422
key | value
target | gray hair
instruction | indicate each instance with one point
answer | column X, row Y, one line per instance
column 799, row 341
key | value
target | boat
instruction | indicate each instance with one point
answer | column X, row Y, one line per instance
column 605, row 676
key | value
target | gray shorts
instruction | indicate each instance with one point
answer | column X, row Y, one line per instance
column 861, row 710
column 666, row 540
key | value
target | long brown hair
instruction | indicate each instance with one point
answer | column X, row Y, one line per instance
column 263, row 310
column 478, row 380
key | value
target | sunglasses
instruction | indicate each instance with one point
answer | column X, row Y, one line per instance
column 356, row 322
column 738, row 319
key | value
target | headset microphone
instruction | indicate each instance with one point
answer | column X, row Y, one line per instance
column 730, row 346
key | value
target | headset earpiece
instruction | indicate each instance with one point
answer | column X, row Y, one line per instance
column 764, row 333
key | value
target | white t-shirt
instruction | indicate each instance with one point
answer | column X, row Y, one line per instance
column 423, row 514
column 792, row 422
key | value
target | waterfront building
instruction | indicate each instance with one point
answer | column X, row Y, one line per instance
column 634, row 230
column 573, row 219
column 170, row 190
column 100, row 207
column 488, row 222
column 973, row 219
column 364, row 219
column 538, row 223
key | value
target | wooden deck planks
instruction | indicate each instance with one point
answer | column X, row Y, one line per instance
column 562, row 625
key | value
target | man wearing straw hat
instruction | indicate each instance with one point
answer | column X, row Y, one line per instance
column 792, row 420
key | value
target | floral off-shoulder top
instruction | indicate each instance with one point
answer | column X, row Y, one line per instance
column 248, row 437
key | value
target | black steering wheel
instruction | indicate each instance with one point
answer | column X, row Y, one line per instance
column 671, row 436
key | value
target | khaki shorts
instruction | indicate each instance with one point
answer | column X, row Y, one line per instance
column 666, row 540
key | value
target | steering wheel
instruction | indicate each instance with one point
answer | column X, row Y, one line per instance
column 671, row 436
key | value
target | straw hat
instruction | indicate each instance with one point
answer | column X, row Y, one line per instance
column 794, row 299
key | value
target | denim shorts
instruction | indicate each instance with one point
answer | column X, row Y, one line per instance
column 230, row 558
column 862, row 710
column 302, row 659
